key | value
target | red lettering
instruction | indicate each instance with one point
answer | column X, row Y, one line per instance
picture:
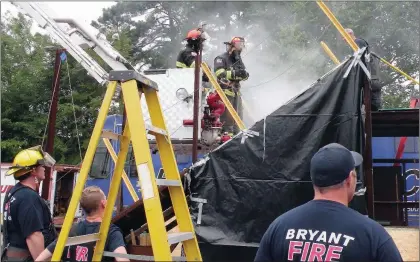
column 293, row 249
column 305, row 251
column 81, row 253
column 4, row 189
column 330, row 253
column 317, row 251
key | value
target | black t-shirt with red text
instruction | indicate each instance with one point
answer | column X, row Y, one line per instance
column 25, row 213
column 84, row 252
column 323, row 230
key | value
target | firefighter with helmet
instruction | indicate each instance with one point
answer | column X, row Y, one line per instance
column 27, row 221
column 230, row 71
column 186, row 57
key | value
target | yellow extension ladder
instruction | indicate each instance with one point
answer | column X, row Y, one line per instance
column 134, row 86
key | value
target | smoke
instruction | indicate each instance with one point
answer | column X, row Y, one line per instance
column 273, row 81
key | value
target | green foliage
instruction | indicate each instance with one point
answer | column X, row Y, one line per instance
column 27, row 70
column 289, row 31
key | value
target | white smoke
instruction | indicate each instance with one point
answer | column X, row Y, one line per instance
column 272, row 81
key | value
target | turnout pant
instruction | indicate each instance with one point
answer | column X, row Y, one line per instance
column 226, row 118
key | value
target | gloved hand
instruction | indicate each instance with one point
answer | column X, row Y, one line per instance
column 204, row 78
column 241, row 73
column 236, row 54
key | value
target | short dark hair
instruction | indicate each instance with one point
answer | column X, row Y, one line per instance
column 91, row 199
column 323, row 190
column 23, row 177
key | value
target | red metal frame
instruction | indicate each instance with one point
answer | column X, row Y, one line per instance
column 403, row 140
column 367, row 154
column 49, row 146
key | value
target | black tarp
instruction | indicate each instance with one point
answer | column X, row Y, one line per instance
column 247, row 185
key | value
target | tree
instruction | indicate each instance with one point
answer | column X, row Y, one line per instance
column 392, row 32
column 27, row 77
column 283, row 53
column 23, row 101
column 283, row 37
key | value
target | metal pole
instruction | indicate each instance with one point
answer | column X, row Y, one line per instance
column 196, row 105
column 367, row 158
column 49, row 146
column 330, row 53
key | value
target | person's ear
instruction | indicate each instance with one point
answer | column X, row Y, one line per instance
column 349, row 178
column 353, row 174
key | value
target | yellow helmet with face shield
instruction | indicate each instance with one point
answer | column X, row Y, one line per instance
column 28, row 159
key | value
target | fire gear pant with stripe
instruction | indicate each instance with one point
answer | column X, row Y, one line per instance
column 226, row 118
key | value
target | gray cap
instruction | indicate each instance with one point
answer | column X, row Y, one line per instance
column 332, row 164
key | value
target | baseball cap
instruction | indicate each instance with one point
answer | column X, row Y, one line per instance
column 332, row 164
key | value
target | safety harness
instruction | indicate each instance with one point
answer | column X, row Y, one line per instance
column 5, row 242
column 52, row 233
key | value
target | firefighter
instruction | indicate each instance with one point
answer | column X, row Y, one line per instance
column 359, row 41
column 376, row 83
column 230, row 71
column 27, row 221
column 186, row 57
column 93, row 203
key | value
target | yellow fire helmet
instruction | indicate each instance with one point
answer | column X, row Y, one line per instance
column 29, row 158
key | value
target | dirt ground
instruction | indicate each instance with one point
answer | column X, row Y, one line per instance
column 407, row 241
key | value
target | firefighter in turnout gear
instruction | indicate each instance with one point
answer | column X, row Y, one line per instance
column 27, row 221
column 186, row 57
column 230, row 71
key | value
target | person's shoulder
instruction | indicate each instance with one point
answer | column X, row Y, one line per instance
column 370, row 223
column 364, row 221
column 293, row 213
column 116, row 235
column 299, row 209
column 24, row 193
column 114, row 229
column 184, row 51
column 222, row 56
column 219, row 58
column 361, row 42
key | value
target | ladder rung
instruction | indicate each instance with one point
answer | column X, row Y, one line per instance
column 139, row 257
column 155, row 130
column 179, row 237
column 71, row 241
column 110, row 135
column 167, row 182
column 151, row 129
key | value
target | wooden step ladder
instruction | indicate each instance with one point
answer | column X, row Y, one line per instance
column 134, row 86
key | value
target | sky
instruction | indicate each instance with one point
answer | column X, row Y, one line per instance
column 87, row 11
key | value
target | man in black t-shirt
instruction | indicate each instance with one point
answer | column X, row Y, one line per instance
column 360, row 42
column 93, row 202
column 376, row 82
column 27, row 221
column 325, row 229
